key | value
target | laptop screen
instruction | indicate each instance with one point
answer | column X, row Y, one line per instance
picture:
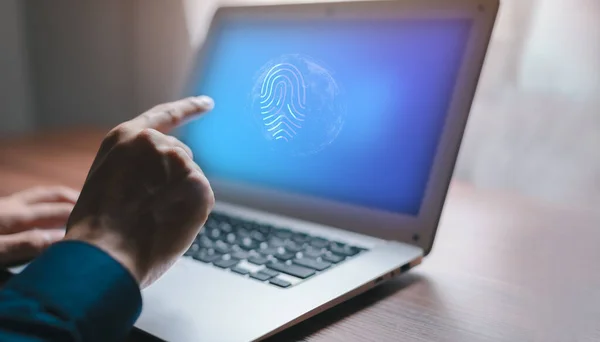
column 350, row 111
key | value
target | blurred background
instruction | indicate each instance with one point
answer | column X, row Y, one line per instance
column 534, row 127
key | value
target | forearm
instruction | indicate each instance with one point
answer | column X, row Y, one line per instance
column 73, row 292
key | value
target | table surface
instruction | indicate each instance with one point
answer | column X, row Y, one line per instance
column 503, row 267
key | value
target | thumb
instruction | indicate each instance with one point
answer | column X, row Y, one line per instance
column 24, row 246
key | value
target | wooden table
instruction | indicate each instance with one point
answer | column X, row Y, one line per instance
column 504, row 268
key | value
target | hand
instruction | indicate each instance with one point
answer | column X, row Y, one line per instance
column 29, row 222
column 145, row 200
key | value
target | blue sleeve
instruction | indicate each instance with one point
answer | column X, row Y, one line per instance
column 72, row 292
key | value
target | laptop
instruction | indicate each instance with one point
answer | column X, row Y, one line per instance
column 330, row 150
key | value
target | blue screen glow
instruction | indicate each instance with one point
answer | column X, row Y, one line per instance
column 350, row 111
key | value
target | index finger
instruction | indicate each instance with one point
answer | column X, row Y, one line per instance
column 167, row 116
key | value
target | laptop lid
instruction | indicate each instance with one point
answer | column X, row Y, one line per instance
column 347, row 114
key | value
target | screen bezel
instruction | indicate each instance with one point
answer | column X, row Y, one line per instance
column 418, row 230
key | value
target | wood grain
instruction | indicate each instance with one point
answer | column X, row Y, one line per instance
column 503, row 268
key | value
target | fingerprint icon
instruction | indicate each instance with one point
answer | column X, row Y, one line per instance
column 283, row 101
column 297, row 105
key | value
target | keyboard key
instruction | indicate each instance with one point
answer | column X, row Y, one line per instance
column 268, row 251
column 240, row 255
column 280, row 282
column 248, row 243
column 225, row 227
column 231, row 238
column 213, row 233
column 293, row 270
column 300, row 237
column 235, row 222
column 260, row 276
column 225, row 263
column 242, row 232
column 226, row 240
column 293, row 246
column 342, row 249
column 276, row 242
column 258, row 236
column 333, row 258
column 211, row 223
column 311, row 263
column 319, row 242
column 257, row 260
column 270, row 272
column 240, row 270
column 206, row 257
column 285, row 256
column 205, row 242
column 222, row 247
column 312, row 252
column 265, row 229
column 282, row 233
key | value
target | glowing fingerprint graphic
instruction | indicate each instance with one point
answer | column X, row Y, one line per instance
column 297, row 104
column 283, row 101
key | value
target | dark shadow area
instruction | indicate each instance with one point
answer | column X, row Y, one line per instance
column 4, row 276
column 140, row 336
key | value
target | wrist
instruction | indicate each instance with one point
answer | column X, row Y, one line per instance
column 111, row 243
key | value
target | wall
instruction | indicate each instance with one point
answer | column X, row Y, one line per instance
column 163, row 43
column 535, row 125
column 102, row 62
column 16, row 114
column 81, row 60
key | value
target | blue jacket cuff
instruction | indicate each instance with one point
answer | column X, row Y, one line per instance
column 84, row 285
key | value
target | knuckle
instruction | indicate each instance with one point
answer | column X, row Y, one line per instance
column 172, row 114
column 117, row 133
column 174, row 152
column 203, row 186
column 162, row 150
column 183, row 147
column 191, row 101
column 36, row 240
column 146, row 135
column 176, row 142
column 189, row 151
column 113, row 139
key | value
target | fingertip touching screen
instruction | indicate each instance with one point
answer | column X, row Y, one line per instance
column 349, row 110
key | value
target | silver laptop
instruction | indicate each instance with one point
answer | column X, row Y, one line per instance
column 330, row 150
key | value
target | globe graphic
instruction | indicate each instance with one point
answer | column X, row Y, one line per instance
column 297, row 105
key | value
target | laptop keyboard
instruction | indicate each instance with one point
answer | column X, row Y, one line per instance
column 262, row 252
